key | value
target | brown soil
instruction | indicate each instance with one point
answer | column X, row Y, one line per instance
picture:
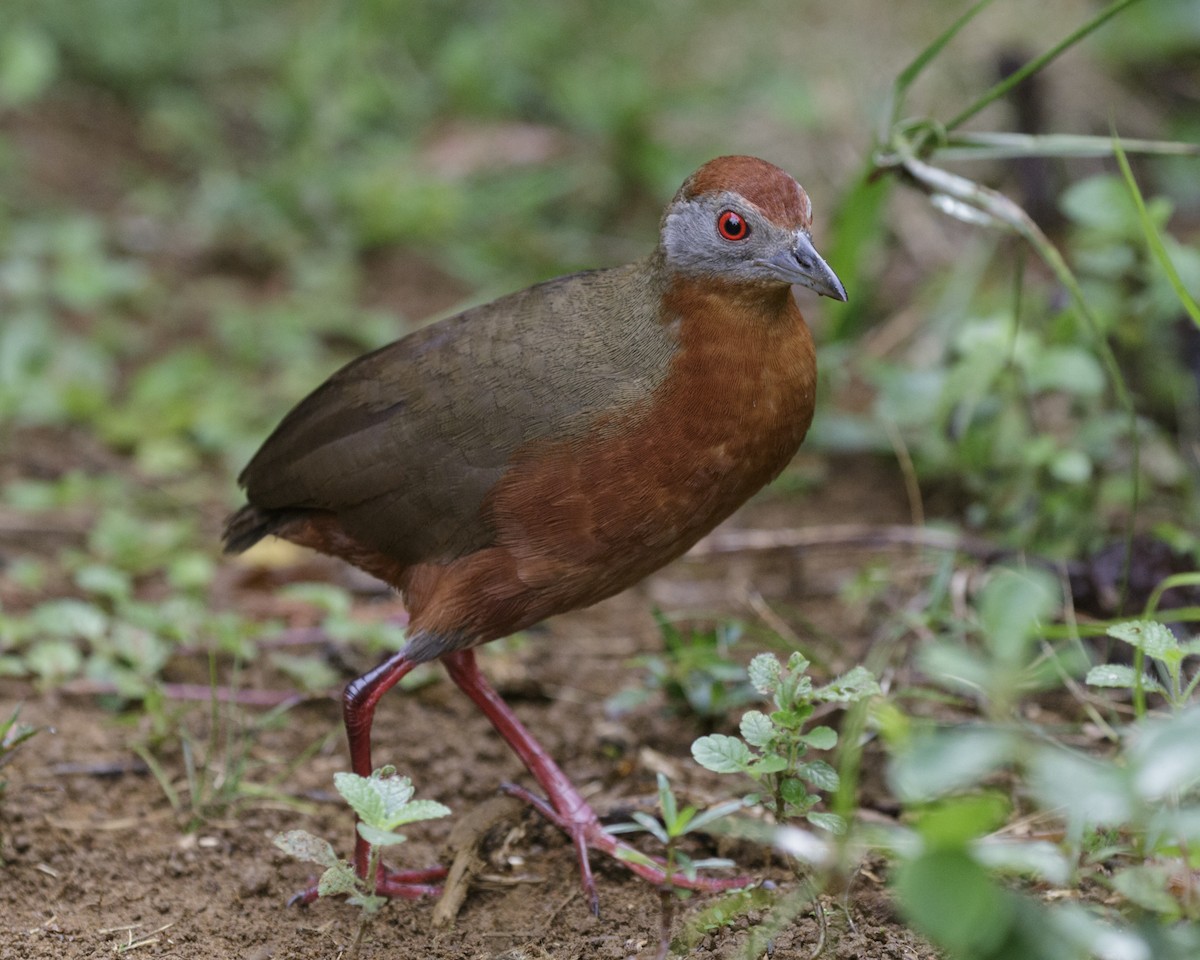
column 97, row 861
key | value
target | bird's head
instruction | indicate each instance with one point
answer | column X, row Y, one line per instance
column 744, row 221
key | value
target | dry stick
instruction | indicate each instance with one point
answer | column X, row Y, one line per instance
column 61, row 524
column 841, row 535
column 203, row 693
column 756, row 602
column 908, row 470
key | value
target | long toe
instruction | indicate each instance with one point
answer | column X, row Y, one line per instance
column 395, row 884
column 588, row 833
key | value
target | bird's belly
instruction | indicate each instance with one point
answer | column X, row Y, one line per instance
column 587, row 520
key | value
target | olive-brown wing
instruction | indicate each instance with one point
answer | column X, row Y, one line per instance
column 405, row 443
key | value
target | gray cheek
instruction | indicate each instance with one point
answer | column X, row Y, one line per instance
column 692, row 246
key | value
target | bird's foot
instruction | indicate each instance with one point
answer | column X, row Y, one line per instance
column 587, row 833
column 404, row 884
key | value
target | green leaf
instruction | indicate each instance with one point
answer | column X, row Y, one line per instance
column 70, row 619
column 764, row 673
column 337, row 880
column 104, row 581
column 721, row 753
column 302, row 845
column 850, row 687
column 28, row 64
column 955, row 667
column 334, row 601
column 713, row 814
column 1012, row 605
column 1036, row 858
column 792, row 719
column 417, row 810
column 756, row 728
column 942, row 761
column 1120, row 676
column 666, row 800
column 651, row 826
column 379, row 838
column 796, row 794
column 712, row 863
column 632, row 855
column 957, row 821
column 54, row 660
column 1163, row 755
column 826, row 821
column 949, row 897
column 820, row 774
column 1101, row 203
column 1072, row 370
column 375, row 799
column 370, row 902
column 312, row 673
column 821, row 738
column 1090, row 792
column 1152, row 638
column 13, row 734
column 771, row 763
column 1071, row 466
column 1147, row 886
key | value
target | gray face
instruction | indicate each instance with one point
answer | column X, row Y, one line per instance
column 765, row 254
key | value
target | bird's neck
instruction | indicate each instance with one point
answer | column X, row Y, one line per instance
column 711, row 314
column 744, row 371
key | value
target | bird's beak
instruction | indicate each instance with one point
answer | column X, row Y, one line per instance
column 802, row 265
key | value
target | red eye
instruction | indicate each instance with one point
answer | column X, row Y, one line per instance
column 731, row 226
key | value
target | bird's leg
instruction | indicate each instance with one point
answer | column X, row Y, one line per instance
column 564, row 805
column 358, row 709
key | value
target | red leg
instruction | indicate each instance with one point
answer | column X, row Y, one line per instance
column 565, row 807
column 358, row 710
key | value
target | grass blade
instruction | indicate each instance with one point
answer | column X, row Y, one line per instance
column 923, row 59
column 1036, row 64
column 1153, row 237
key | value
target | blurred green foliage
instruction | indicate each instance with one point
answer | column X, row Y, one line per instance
column 162, row 303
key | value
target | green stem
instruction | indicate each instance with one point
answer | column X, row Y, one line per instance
column 1036, row 64
column 1003, row 211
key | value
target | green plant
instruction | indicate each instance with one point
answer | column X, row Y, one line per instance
column 772, row 751
column 1019, row 403
column 695, row 671
column 772, row 747
column 1155, row 641
column 13, row 733
column 1129, row 818
column 677, row 822
column 383, row 801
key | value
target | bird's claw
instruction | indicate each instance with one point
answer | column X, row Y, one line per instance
column 587, row 833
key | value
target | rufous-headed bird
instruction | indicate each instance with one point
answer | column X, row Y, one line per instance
column 551, row 448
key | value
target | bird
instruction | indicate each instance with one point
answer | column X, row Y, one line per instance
column 549, row 449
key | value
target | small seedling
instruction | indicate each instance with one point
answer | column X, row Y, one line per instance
column 771, row 752
column 1154, row 640
column 695, row 672
column 772, row 747
column 383, row 802
column 12, row 734
column 676, row 823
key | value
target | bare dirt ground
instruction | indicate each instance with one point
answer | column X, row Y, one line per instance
column 98, row 862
